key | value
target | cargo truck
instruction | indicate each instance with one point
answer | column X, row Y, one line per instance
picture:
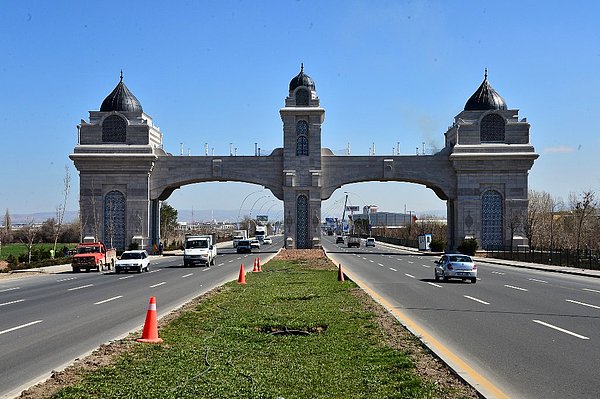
column 93, row 255
column 199, row 250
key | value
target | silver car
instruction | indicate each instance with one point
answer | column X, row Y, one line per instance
column 455, row 266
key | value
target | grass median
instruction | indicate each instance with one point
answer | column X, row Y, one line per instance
column 293, row 331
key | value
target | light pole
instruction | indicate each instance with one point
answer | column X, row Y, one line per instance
column 242, row 204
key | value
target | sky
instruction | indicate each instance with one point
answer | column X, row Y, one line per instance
column 217, row 72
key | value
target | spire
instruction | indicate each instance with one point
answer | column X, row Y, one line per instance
column 121, row 99
column 485, row 97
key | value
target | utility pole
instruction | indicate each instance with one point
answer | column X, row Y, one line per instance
column 344, row 213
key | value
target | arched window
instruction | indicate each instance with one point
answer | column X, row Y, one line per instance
column 302, row 97
column 492, row 220
column 491, row 129
column 114, row 129
column 302, row 222
column 302, row 138
column 114, row 220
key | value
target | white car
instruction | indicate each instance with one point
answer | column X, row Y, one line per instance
column 137, row 260
column 370, row 242
column 267, row 241
column 254, row 243
column 455, row 266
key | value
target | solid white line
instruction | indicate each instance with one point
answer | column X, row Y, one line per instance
column 156, row 285
column 515, row 288
column 426, row 266
column 83, row 286
column 476, row 300
column 537, row 281
column 11, row 302
column 585, row 289
column 434, row 284
column 560, row 329
column 409, row 275
column 392, row 269
column 123, row 278
column 108, row 300
column 21, row 326
column 583, row 304
column 187, row 275
column 10, row 289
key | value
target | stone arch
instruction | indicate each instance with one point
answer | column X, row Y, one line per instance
column 114, row 219
column 114, row 129
column 492, row 128
column 492, row 219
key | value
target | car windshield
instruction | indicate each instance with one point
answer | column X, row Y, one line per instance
column 460, row 258
column 131, row 255
column 244, row 242
column 88, row 250
column 196, row 244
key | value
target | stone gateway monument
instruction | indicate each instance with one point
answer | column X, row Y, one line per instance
column 481, row 172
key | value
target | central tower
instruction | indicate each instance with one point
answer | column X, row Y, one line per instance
column 302, row 118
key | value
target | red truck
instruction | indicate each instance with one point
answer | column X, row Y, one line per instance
column 93, row 255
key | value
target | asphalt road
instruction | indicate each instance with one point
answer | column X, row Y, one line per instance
column 49, row 320
column 532, row 334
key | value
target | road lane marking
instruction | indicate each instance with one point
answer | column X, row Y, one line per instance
column 159, row 284
column 428, row 266
column 371, row 260
column 187, row 275
column 83, row 286
column 380, row 264
column 409, row 275
column 500, row 273
column 537, row 281
column 457, row 363
column 123, row 278
column 392, row 269
column 515, row 288
column 220, row 264
column 66, row 279
column 408, row 261
column 583, row 304
column 476, row 300
column 108, row 300
column 585, row 289
column 232, row 260
column 206, row 269
column 11, row 302
column 434, row 284
column 560, row 329
column 154, row 271
column 21, row 326
column 398, row 259
column 10, row 289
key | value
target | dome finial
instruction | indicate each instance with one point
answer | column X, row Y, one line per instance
column 121, row 74
column 485, row 74
column 302, row 67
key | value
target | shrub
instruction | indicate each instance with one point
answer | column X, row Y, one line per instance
column 468, row 246
column 437, row 245
column 133, row 246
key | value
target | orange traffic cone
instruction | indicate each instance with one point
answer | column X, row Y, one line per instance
column 258, row 262
column 150, row 332
column 255, row 266
column 340, row 274
column 242, row 276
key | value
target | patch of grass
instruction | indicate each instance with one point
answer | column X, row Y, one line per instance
column 291, row 332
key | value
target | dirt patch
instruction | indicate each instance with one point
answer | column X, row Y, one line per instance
column 428, row 366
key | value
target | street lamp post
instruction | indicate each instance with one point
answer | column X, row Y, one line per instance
column 242, row 204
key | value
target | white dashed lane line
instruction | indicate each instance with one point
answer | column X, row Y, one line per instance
column 515, row 288
column 537, row 281
column 123, row 278
column 428, row 266
column 21, row 326
column 408, row 261
column 157, row 285
column 78, row 288
column 583, row 304
column 476, row 300
column 108, row 300
column 11, row 302
column 380, row 264
column 372, row 261
column 585, row 289
column 66, row 279
column 409, row 275
column 434, row 284
column 220, row 264
column 392, row 269
column 187, row 275
column 500, row 273
column 11, row 289
column 560, row 329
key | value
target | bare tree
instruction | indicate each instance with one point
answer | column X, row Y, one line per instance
column 60, row 210
column 581, row 207
column 30, row 233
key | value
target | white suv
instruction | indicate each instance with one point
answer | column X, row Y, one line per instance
column 137, row 260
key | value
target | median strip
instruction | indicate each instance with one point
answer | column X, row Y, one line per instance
column 560, row 329
column 21, row 326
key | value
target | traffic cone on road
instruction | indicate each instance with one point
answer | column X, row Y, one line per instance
column 150, row 332
column 255, row 269
column 242, row 276
column 340, row 274
column 258, row 263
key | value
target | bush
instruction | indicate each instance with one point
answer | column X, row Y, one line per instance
column 437, row 245
column 468, row 246
column 133, row 246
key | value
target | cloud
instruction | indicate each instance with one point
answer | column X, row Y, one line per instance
column 561, row 149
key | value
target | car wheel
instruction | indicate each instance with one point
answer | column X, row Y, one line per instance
column 473, row 280
column 437, row 278
column 140, row 269
column 445, row 278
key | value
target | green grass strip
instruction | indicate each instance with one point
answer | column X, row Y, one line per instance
column 291, row 332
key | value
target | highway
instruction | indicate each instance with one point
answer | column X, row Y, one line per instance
column 532, row 334
column 49, row 320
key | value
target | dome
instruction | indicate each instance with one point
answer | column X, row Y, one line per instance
column 121, row 99
column 485, row 98
column 302, row 80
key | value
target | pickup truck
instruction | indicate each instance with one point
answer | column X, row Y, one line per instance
column 353, row 241
column 93, row 255
column 199, row 250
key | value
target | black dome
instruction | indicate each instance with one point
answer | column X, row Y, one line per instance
column 485, row 98
column 302, row 80
column 121, row 99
